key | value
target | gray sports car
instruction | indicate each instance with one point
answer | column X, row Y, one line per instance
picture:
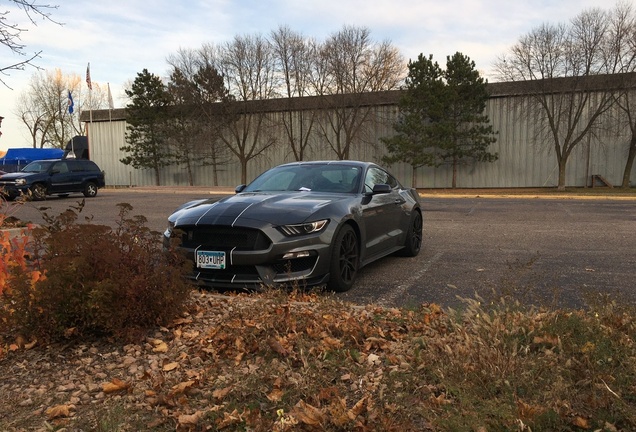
column 305, row 223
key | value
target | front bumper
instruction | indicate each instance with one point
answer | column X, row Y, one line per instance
column 13, row 191
column 263, row 263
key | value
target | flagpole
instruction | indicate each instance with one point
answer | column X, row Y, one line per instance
column 110, row 115
column 89, row 83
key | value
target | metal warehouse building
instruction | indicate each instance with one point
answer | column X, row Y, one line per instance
column 524, row 161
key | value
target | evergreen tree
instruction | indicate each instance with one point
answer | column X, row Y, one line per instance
column 147, row 119
column 442, row 117
column 420, row 113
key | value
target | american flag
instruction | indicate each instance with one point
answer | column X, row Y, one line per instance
column 88, row 77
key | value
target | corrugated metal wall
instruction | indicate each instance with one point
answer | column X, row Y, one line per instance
column 522, row 161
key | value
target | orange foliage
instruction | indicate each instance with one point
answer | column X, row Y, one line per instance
column 14, row 259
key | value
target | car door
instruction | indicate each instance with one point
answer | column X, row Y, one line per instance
column 61, row 178
column 381, row 213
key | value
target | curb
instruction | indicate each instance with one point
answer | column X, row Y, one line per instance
column 427, row 193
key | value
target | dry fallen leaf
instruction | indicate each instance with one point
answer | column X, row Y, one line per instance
column 221, row 393
column 373, row 359
column 277, row 347
column 30, row 345
column 229, row 419
column 548, row 340
column 59, row 411
column 170, row 366
column 181, row 321
column 581, row 422
column 182, row 387
column 190, row 419
column 357, row 409
column 160, row 346
column 115, row 385
column 308, row 414
column 275, row 395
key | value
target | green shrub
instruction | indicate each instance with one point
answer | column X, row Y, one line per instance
column 99, row 280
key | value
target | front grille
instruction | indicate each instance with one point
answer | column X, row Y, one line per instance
column 223, row 237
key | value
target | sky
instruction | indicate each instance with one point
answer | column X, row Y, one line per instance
column 119, row 38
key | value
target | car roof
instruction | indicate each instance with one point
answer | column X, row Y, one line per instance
column 360, row 164
column 58, row 160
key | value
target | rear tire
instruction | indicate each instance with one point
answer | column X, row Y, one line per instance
column 90, row 190
column 345, row 259
column 413, row 241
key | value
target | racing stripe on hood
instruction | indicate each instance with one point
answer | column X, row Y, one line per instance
column 224, row 213
column 245, row 209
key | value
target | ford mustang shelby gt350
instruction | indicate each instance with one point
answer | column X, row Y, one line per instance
column 305, row 223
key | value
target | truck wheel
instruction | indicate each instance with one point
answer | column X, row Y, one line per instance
column 38, row 192
column 90, row 190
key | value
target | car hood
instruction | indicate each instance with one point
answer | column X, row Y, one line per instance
column 277, row 209
column 16, row 175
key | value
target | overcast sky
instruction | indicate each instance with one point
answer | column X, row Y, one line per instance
column 122, row 37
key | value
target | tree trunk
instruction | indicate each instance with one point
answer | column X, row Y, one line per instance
column 562, row 164
column 157, row 177
column 189, row 170
column 244, row 171
column 454, row 173
column 215, row 170
column 413, row 180
column 630, row 162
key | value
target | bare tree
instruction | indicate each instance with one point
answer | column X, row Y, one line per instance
column 620, row 57
column 351, row 65
column 247, row 65
column 294, row 59
column 11, row 29
column 44, row 107
column 567, row 110
column 199, row 91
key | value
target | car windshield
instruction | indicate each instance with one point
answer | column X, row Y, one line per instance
column 37, row 167
column 309, row 177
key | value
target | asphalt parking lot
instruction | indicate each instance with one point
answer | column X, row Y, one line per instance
column 557, row 252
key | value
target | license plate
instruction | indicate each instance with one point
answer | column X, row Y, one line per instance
column 210, row 260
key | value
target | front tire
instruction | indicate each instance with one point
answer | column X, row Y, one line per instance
column 413, row 241
column 345, row 258
column 90, row 190
column 38, row 192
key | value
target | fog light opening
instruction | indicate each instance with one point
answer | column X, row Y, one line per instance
column 295, row 255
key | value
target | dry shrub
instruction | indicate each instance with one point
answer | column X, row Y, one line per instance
column 99, row 280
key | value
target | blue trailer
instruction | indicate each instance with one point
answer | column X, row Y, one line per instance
column 16, row 158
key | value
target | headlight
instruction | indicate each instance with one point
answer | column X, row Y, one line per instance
column 168, row 232
column 304, row 228
column 20, row 182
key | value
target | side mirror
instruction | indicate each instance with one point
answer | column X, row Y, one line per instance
column 55, row 171
column 239, row 188
column 381, row 189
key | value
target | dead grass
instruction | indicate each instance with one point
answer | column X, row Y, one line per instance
column 292, row 361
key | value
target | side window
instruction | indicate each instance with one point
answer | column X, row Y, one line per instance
column 391, row 181
column 87, row 166
column 60, row 167
column 374, row 176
